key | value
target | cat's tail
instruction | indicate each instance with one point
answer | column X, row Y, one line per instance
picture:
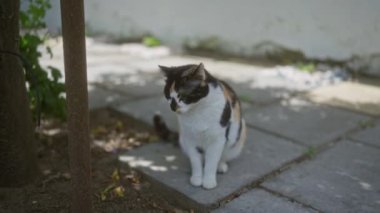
column 163, row 131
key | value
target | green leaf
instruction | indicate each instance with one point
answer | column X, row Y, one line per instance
column 55, row 73
column 245, row 98
column 308, row 67
column 49, row 51
column 151, row 41
column 49, row 89
column 311, row 152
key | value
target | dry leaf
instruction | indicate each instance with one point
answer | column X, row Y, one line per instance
column 119, row 191
column 115, row 175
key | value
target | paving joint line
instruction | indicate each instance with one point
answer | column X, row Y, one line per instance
column 293, row 94
column 370, row 119
column 127, row 95
column 364, row 143
column 330, row 144
column 285, row 167
column 303, row 96
column 291, row 199
column 340, row 107
column 319, row 149
column 262, row 104
column 246, row 188
column 292, row 140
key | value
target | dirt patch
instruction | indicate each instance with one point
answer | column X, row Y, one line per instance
column 115, row 188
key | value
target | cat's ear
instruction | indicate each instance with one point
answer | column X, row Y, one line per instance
column 198, row 72
column 165, row 70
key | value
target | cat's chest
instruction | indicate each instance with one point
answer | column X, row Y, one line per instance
column 200, row 131
column 196, row 123
column 201, row 119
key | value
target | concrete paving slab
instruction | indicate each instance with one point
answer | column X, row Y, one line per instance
column 230, row 70
column 138, row 84
column 370, row 135
column 345, row 178
column 266, row 84
column 303, row 121
column 253, row 83
column 146, row 79
column 99, row 98
column 248, row 91
column 151, row 65
column 356, row 96
column 168, row 168
column 95, row 73
column 145, row 109
column 260, row 201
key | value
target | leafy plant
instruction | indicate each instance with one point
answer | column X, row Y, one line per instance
column 208, row 44
column 311, row 152
column 245, row 98
column 306, row 67
column 151, row 41
column 366, row 124
column 43, row 84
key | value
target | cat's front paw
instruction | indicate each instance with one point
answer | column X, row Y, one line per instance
column 222, row 167
column 196, row 180
column 209, row 182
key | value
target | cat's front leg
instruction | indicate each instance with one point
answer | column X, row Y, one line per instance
column 189, row 147
column 212, row 156
column 196, row 166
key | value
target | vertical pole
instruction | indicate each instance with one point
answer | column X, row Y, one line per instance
column 18, row 164
column 74, row 46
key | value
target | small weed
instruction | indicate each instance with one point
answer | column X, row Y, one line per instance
column 244, row 98
column 366, row 124
column 306, row 67
column 209, row 44
column 151, row 41
column 311, row 152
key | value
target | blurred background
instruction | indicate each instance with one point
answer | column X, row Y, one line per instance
column 341, row 31
column 306, row 72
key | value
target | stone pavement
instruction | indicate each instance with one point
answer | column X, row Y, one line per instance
column 309, row 149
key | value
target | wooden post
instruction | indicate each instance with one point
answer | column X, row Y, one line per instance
column 18, row 164
column 74, row 46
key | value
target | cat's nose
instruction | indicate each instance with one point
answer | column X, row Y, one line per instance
column 173, row 105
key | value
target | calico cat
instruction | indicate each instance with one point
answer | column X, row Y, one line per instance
column 212, row 130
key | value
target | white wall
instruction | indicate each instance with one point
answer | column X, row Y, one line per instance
column 336, row 29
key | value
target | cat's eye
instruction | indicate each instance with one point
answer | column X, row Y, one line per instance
column 185, row 97
column 185, row 79
column 180, row 97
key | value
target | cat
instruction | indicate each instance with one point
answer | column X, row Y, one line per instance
column 212, row 130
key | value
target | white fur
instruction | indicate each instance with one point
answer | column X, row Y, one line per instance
column 200, row 127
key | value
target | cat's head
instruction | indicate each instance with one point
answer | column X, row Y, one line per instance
column 185, row 86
